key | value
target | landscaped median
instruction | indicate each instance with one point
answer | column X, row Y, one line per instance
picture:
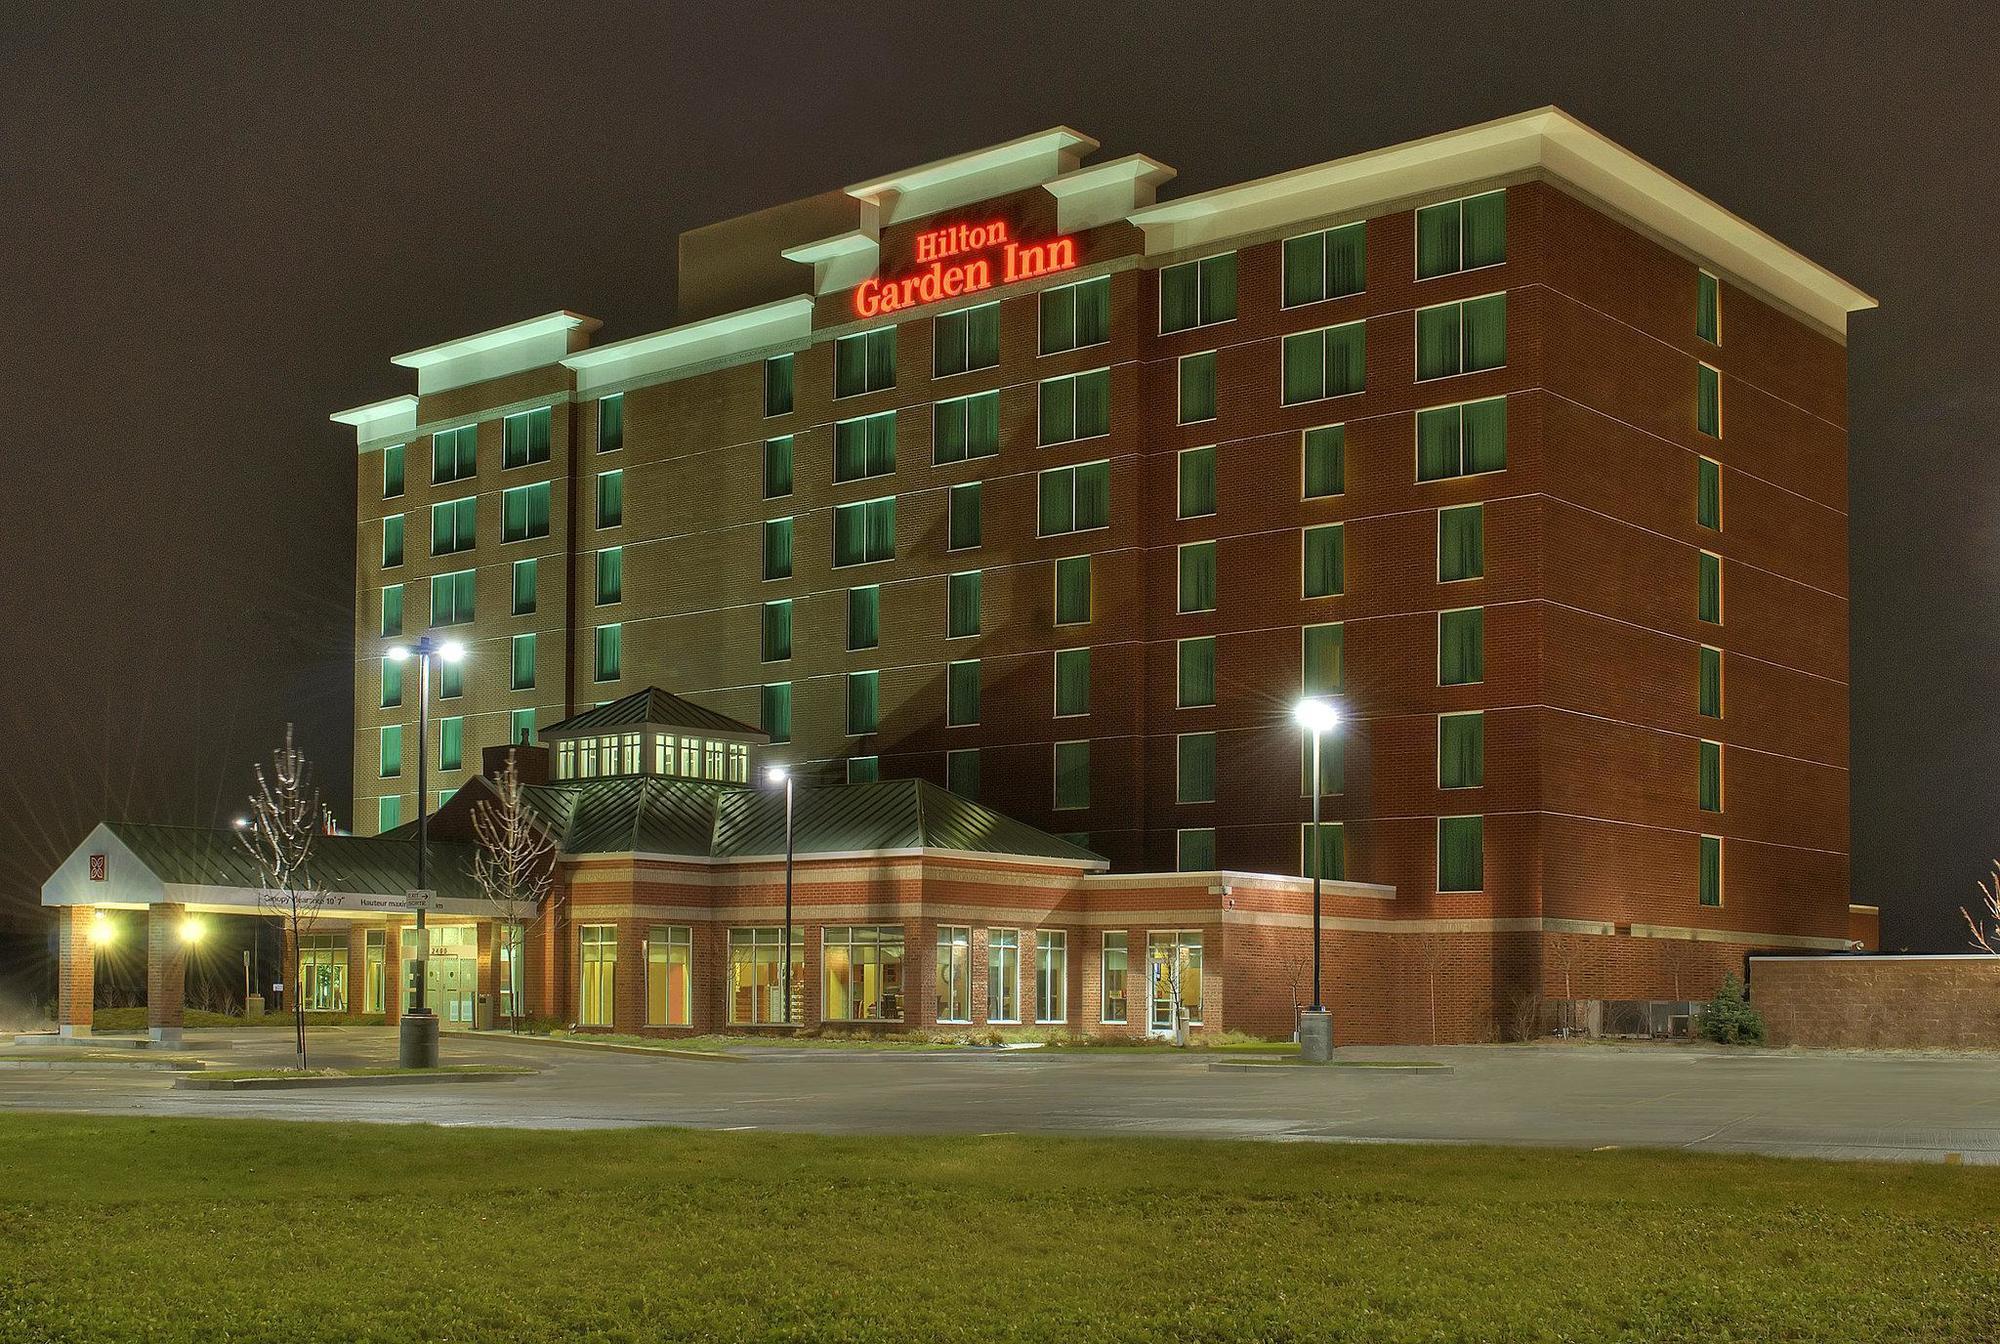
column 715, row 1045
column 245, row 1080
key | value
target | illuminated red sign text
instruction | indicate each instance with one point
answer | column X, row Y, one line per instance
column 961, row 259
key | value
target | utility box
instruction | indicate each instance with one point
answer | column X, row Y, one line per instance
column 482, row 1013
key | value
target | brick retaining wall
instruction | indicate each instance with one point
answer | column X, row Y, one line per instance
column 1910, row 1001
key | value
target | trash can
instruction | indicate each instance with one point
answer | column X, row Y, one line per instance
column 482, row 1014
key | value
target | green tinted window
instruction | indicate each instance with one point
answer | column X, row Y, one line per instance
column 963, row 522
column 451, row 743
column 963, row 614
column 778, row 467
column 1328, row 363
column 777, row 631
column 1326, row 265
column 1332, row 851
column 1194, row 850
column 521, row 673
column 1195, row 674
column 1325, row 461
column 1461, row 751
column 865, row 362
column 863, row 702
column 1461, row 853
column 1708, row 401
column 1461, row 647
column 776, row 715
column 525, row 573
column 1708, row 598
column 965, row 427
column 392, row 610
column 610, row 575
column 611, row 499
column 864, row 532
column 864, row 617
column 1076, row 315
column 611, row 423
column 392, row 751
column 525, row 436
column 393, row 458
column 1073, row 590
column 777, row 385
column 864, row 447
column 1325, row 560
column 961, row 701
column 1194, row 768
column 1709, row 699
column 1708, row 493
column 1711, row 870
column 1072, row 682
column 1197, row 394
column 961, row 772
column 777, row 548
column 1321, row 653
column 1461, row 543
column 392, row 541
column 1711, row 777
column 1197, row 577
column 524, row 512
column 610, row 652
column 1707, row 308
column 1462, row 440
column 1072, row 764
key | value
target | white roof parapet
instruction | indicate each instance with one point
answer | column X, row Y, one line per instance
column 697, row 343
column 839, row 262
column 380, row 421
column 1105, row 192
column 503, row 350
column 962, row 179
column 1547, row 139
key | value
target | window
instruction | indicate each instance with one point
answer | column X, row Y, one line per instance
column 610, row 498
column 961, row 699
column 864, row 447
column 524, row 587
column 1196, row 293
column 392, row 683
column 1166, row 954
column 1194, row 768
column 1709, row 698
column 1326, row 265
column 1462, row 235
column 611, row 575
column 669, row 978
column 1462, row 440
column 455, row 454
column 962, row 517
column 863, row 973
column 1197, row 577
column 323, row 972
column 1074, row 499
column 388, row 813
column 1115, row 954
column 864, row 533
column 1323, row 560
column 1331, row 362
column 776, row 715
column 864, row 769
column 1072, row 761
column 1194, row 672
column 961, row 772
column 864, row 617
column 1711, row 777
column 777, row 548
column 1072, row 682
column 1197, row 482
column 1325, row 451
column 392, row 751
column 392, row 541
column 777, row 636
column 451, row 681
column 524, row 512
column 777, row 385
column 1461, row 543
column 451, row 743
column 965, row 427
column 1708, row 401
column 611, row 423
column 1461, row 751
column 527, row 437
column 1073, row 590
column 453, row 526
column 1332, row 764
column 610, row 652
column 954, row 973
column 864, row 363
column 1003, row 975
column 778, row 467
column 1462, row 337
column 1076, row 315
column 392, row 610
column 864, row 693
column 1331, row 851
column 963, row 605
column 1711, row 870
column 1708, row 600
column 1197, row 387
column 1462, row 646
column 1321, row 654
column 451, row 598
column 1051, row 976
column 597, row 993
column 757, row 967
column 521, row 727
column 1194, row 850
column 1461, row 853
column 1708, row 493
column 1075, row 407
column 522, row 671
column 965, row 340
column 1707, row 308
column 392, row 470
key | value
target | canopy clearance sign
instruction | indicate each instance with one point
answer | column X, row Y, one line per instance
column 961, row 259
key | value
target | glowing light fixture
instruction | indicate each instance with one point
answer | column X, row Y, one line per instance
column 777, row 774
column 191, row 930
column 452, row 651
column 1316, row 715
column 103, row 932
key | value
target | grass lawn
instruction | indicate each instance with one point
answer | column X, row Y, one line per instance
column 937, row 1039
column 134, row 1019
column 384, row 1071
column 163, row 1230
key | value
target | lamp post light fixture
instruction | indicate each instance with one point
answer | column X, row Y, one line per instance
column 103, row 932
column 778, row 774
column 418, row 1043
column 191, row 931
column 1317, row 716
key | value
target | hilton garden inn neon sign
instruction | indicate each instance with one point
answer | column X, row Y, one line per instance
column 961, row 259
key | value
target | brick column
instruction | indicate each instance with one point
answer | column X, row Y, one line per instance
column 166, row 972
column 392, row 974
column 76, row 969
column 489, row 977
column 357, row 967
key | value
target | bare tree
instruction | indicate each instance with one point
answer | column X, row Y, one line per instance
column 1563, row 946
column 514, row 866
column 1430, row 952
column 284, row 824
column 1985, row 925
column 1167, row 977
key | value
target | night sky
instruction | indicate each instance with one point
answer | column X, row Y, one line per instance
column 217, row 222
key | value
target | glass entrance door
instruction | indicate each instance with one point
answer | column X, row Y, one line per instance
column 451, row 979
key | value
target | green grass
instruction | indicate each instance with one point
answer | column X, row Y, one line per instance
column 167, row 1230
column 239, row 1075
column 945, row 1038
column 134, row 1019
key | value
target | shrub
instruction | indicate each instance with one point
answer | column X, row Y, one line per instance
column 1729, row 1018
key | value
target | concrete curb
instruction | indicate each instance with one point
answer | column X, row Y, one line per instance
column 195, row 1082
column 602, row 1047
column 156, row 1065
column 1347, row 1067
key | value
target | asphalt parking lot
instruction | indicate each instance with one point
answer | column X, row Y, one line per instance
column 1807, row 1104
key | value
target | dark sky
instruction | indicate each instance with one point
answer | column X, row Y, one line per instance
column 218, row 221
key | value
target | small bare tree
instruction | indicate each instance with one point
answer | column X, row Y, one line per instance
column 1167, row 977
column 284, row 824
column 1985, row 925
column 1430, row 953
column 514, row 866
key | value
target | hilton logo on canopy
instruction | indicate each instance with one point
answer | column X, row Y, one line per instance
column 953, row 270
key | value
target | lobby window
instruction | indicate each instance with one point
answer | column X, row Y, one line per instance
column 1462, row 440
column 965, row 427
column 1325, row 453
column 1322, row 653
column 961, row 696
column 1708, row 596
column 392, row 751
column 777, row 631
column 963, row 602
column 777, row 548
column 392, row 683
column 965, row 340
column 962, row 520
column 597, row 982
column 864, row 533
column 1462, row 235
column 610, row 652
column 1072, row 669
column 1708, row 493
column 610, row 498
column 1326, row 265
column 1462, row 750
column 954, row 973
column 864, row 617
column 1462, row 646
column 864, row 447
column 521, row 727
column 1073, row 499
column 778, row 467
column 1003, row 975
column 1197, row 577
column 521, row 669
column 451, row 743
column 1196, row 293
column 1711, row 870
column 451, row 598
column 611, row 423
column 451, row 681
column 1163, row 951
column 1461, row 853
column 525, row 574
column 1051, row 975
column 1075, row 407
column 1708, row 401
column 610, row 575
column 1707, row 308
column 1330, row 362
column 1072, row 773
column 1194, row 850
column 388, row 813
column 961, row 772
column 1710, row 790
column 392, row 541
column 864, row 702
column 1116, row 953
column 454, row 454
column 524, row 512
column 778, row 385
column 1462, row 337
column 1197, row 483
column 526, row 437
column 1331, row 851
column 392, row 610
column 865, row 362
column 864, row 769
column 1709, row 698
column 453, row 526
column 1197, row 388
column 757, row 965
column 669, row 975
column 1323, row 560
column 393, row 459
column 1461, row 543
column 1194, row 768
column 1194, row 672
column 863, row 972
column 1073, row 590
column 775, row 714
column 1077, row 315
column 323, row 972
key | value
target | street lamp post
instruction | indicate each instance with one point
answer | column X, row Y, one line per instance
column 1318, row 717
column 778, row 774
column 418, row 1043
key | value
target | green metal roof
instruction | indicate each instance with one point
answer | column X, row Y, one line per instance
column 653, row 706
column 365, row 865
